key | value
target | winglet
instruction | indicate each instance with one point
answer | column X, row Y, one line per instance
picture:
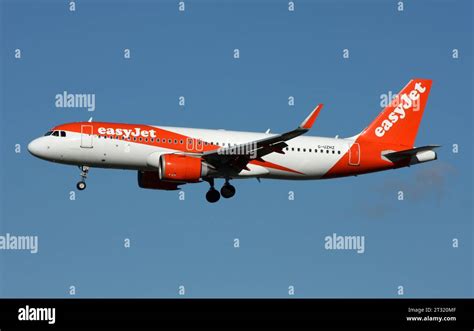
column 308, row 122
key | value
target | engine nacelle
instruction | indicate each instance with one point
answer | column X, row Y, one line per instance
column 151, row 180
column 183, row 168
column 425, row 156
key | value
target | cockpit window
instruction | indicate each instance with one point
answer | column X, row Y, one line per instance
column 48, row 133
column 63, row 133
column 56, row 133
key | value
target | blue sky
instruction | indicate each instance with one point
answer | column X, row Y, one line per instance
column 407, row 243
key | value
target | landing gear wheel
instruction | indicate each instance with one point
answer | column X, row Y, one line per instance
column 81, row 185
column 227, row 191
column 213, row 195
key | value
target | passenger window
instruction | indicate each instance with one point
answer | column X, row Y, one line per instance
column 333, row 152
column 292, row 149
column 338, row 152
column 298, row 149
column 181, row 141
column 152, row 139
column 169, row 141
column 304, row 149
column 310, row 150
column 321, row 151
column 175, row 141
column 327, row 151
column 146, row 140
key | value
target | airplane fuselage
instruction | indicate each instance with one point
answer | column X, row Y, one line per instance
column 106, row 145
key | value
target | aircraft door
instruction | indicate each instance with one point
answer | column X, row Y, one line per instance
column 87, row 132
column 354, row 154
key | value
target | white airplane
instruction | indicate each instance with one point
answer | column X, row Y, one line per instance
column 167, row 157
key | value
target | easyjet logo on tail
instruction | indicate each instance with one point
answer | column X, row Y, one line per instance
column 407, row 100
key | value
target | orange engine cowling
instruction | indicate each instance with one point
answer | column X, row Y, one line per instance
column 183, row 168
column 151, row 180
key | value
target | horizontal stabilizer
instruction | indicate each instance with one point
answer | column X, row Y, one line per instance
column 408, row 153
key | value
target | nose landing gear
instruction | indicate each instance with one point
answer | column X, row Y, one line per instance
column 81, row 185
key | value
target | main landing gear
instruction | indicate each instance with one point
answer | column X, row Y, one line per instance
column 213, row 195
column 81, row 185
column 227, row 191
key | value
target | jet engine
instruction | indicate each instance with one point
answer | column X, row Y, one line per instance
column 151, row 180
column 182, row 168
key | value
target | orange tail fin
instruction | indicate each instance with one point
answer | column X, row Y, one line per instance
column 398, row 123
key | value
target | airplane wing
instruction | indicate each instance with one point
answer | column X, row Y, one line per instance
column 236, row 157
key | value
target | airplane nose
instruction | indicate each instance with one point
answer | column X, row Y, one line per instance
column 35, row 148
